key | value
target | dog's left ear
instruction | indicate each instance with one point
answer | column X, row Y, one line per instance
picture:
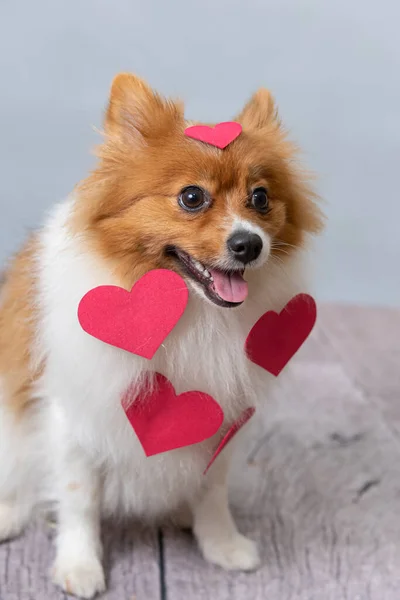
column 259, row 111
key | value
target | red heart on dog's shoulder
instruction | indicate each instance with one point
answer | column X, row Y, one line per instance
column 220, row 136
column 241, row 421
column 164, row 421
column 275, row 338
column 137, row 321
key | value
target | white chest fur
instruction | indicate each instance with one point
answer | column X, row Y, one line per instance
column 86, row 378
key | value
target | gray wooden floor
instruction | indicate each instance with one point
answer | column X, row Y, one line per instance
column 318, row 488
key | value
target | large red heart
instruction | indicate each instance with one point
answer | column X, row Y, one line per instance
column 164, row 421
column 238, row 424
column 137, row 321
column 220, row 136
column 275, row 338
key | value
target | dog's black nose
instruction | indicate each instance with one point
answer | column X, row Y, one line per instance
column 245, row 246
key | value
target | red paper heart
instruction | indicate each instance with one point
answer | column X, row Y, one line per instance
column 242, row 420
column 220, row 136
column 136, row 321
column 164, row 421
column 275, row 338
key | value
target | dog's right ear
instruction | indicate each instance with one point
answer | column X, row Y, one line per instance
column 136, row 113
column 128, row 97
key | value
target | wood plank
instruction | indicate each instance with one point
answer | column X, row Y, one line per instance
column 131, row 561
column 320, row 493
column 367, row 342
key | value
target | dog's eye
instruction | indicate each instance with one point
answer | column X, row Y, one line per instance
column 260, row 199
column 193, row 198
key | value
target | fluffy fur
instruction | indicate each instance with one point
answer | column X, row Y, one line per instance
column 63, row 435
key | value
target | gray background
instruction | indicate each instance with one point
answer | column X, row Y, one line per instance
column 333, row 67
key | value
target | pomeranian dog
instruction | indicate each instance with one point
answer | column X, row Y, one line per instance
column 235, row 224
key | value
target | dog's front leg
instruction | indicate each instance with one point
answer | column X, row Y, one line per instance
column 214, row 527
column 78, row 569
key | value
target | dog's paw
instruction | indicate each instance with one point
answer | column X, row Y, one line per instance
column 11, row 522
column 237, row 554
column 83, row 577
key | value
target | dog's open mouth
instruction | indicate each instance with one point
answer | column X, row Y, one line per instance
column 224, row 288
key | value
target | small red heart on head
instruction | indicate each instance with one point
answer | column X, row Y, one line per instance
column 220, row 136
column 275, row 338
column 137, row 321
column 164, row 421
column 242, row 420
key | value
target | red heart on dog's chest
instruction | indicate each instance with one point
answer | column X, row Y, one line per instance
column 230, row 434
column 164, row 421
column 137, row 321
column 275, row 338
column 220, row 136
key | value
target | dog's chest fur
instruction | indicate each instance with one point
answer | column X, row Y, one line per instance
column 85, row 378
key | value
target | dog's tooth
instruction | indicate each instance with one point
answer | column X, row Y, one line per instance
column 206, row 273
column 199, row 266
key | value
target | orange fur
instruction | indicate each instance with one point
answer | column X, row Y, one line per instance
column 17, row 329
column 129, row 203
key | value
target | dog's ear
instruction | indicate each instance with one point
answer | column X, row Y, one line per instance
column 259, row 111
column 136, row 112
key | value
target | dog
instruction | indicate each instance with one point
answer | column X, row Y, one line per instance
column 235, row 224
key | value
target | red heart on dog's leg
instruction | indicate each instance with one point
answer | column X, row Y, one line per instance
column 136, row 321
column 164, row 421
column 275, row 338
column 242, row 420
column 220, row 136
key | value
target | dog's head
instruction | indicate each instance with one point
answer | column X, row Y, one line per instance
column 159, row 199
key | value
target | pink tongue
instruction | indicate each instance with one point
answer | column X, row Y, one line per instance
column 230, row 286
